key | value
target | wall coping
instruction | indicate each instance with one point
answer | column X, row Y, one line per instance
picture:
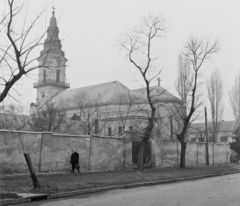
column 71, row 135
column 107, row 137
column 15, row 131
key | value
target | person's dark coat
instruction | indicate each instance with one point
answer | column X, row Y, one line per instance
column 74, row 158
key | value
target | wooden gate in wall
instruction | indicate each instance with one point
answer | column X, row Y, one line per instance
column 146, row 153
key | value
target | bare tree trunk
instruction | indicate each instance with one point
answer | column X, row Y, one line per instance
column 30, row 166
column 36, row 184
column 183, row 154
column 138, row 46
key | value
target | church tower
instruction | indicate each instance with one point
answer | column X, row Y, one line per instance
column 51, row 66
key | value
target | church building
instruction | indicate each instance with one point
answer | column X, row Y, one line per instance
column 106, row 109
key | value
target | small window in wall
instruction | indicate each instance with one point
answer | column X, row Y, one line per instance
column 44, row 75
column 224, row 139
column 120, row 130
column 194, row 139
column 58, row 76
column 109, row 131
column 131, row 128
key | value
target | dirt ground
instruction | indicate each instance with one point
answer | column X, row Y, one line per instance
column 61, row 182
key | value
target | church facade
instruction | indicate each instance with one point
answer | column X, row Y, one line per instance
column 106, row 109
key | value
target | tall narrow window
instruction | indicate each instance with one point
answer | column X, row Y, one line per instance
column 109, row 131
column 44, row 75
column 131, row 128
column 120, row 130
column 58, row 76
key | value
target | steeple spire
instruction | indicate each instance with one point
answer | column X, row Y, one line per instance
column 53, row 21
column 53, row 29
column 52, row 44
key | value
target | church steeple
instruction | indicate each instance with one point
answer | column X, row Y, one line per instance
column 53, row 29
column 52, row 64
column 52, row 44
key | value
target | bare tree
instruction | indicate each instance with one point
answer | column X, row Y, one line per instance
column 18, row 45
column 14, row 117
column 92, row 115
column 201, row 135
column 234, row 95
column 17, row 52
column 215, row 95
column 138, row 46
column 195, row 53
column 129, row 111
column 53, row 118
column 124, row 109
column 184, row 82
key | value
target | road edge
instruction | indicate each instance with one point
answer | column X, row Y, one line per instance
column 102, row 189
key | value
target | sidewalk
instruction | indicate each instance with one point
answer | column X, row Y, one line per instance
column 66, row 184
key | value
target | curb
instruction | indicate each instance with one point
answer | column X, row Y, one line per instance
column 102, row 189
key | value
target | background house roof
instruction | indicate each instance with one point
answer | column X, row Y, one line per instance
column 224, row 126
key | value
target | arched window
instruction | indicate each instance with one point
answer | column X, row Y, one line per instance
column 58, row 76
column 44, row 75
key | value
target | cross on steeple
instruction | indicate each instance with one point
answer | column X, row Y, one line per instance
column 158, row 79
column 53, row 8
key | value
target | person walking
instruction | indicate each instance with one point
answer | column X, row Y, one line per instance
column 75, row 161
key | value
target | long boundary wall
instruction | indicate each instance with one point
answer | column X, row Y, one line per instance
column 51, row 152
column 167, row 154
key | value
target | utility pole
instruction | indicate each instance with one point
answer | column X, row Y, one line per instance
column 206, row 131
column 171, row 124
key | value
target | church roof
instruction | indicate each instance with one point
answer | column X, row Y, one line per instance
column 157, row 93
column 108, row 93
column 105, row 93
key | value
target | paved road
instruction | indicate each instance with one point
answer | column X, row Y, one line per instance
column 216, row 191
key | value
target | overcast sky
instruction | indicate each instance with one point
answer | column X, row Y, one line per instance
column 90, row 29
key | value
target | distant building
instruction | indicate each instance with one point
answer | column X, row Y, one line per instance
column 107, row 108
column 196, row 132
